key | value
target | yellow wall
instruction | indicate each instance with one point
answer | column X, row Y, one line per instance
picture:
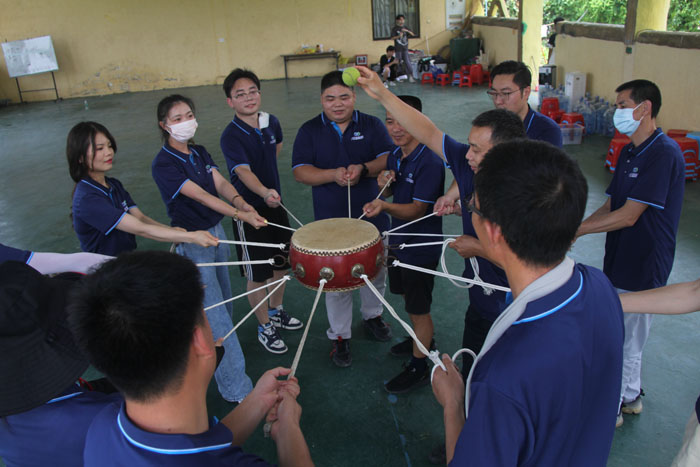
column 532, row 40
column 499, row 42
column 607, row 65
column 109, row 47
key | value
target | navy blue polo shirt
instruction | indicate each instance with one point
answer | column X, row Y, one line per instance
column 420, row 176
column 244, row 145
column 7, row 253
column 542, row 128
column 171, row 169
column 488, row 306
column 640, row 257
column 321, row 144
column 547, row 392
column 96, row 213
column 113, row 439
column 53, row 433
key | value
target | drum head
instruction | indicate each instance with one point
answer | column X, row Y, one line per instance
column 335, row 236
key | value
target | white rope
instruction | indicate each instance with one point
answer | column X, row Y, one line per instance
column 264, row 300
column 472, row 261
column 281, row 246
column 454, row 359
column 409, row 223
column 244, row 294
column 280, row 226
column 448, row 276
column 386, row 234
column 297, row 356
column 349, row 214
column 173, row 246
column 238, row 263
column 293, row 216
column 411, row 245
column 433, row 355
column 380, row 194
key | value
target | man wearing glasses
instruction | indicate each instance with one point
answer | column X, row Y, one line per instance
column 251, row 144
column 510, row 89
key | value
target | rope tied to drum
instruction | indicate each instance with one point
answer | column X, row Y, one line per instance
column 480, row 283
column 433, row 355
column 388, row 182
column 472, row 261
column 281, row 246
column 264, row 300
column 297, row 356
column 244, row 294
column 388, row 232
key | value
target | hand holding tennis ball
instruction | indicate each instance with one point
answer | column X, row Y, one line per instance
column 350, row 76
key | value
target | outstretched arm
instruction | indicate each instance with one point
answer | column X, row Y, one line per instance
column 605, row 220
column 417, row 124
column 670, row 300
column 157, row 231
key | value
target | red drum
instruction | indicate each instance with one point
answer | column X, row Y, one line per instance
column 339, row 250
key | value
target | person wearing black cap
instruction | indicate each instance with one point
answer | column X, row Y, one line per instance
column 45, row 411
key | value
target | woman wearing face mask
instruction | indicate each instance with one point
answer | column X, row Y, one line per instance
column 105, row 218
column 192, row 189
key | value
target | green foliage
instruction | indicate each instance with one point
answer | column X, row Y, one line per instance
column 683, row 15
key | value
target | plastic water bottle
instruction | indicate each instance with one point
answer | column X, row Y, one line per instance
column 602, row 124
column 590, row 119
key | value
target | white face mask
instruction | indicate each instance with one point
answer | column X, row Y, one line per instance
column 624, row 121
column 183, row 131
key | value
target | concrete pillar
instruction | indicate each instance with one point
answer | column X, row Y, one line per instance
column 651, row 14
column 531, row 14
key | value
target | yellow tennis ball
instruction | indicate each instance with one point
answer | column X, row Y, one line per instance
column 350, row 76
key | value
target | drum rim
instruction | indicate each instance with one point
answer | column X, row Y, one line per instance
column 336, row 252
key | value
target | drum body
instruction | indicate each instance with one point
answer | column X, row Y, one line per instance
column 339, row 250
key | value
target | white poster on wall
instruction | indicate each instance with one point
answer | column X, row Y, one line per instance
column 29, row 56
column 454, row 14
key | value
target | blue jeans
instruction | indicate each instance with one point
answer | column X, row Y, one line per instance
column 231, row 378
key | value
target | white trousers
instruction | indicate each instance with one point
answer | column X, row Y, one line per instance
column 689, row 455
column 339, row 307
column 637, row 327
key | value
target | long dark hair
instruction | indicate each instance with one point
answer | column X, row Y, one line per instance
column 81, row 138
column 164, row 107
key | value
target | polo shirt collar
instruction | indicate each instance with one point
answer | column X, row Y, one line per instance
column 218, row 437
column 327, row 121
column 96, row 185
column 529, row 117
column 180, row 155
column 638, row 150
column 243, row 126
column 553, row 302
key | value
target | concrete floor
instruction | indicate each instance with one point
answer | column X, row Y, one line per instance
column 348, row 418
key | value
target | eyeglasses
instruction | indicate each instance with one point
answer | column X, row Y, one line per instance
column 471, row 207
column 503, row 95
column 241, row 96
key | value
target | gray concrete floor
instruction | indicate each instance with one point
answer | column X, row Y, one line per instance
column 348, row 418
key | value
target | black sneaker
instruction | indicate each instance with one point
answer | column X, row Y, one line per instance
column 283, row 320
column 341, row 352
column 378, row 328
column 405, row 347
column 270, row 338
column 408, row 379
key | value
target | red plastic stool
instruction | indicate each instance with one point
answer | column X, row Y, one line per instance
column 456, row 78
column 464, row 69
column 677, row 133
column 689, row 148
column 487, row 75
column 465, row 81
column 555, row 115
column 571, row 118
column 443, row 79
column 477, row 74
column 549, row 104
column 426, row 78
column 614, row 151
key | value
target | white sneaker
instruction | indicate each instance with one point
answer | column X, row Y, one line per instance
column 619, row 421
column 635, row 407
column 411, row 80
column 270, row 338
column 391, row 83
column 386, row 84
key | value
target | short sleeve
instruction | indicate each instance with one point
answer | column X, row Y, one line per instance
column 277, row 130
column 497, row 432
column 303, row 151
column 381, row 142
column 654, row 182
column 130, row 203
column 233, row 151
column 7, row 253
column 454, row 151
column 169, row 176
column 97, row 211
column 429, row 180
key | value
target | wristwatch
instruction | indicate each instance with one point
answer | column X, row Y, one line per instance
column 365, row 170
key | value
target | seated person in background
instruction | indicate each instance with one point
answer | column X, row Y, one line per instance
column 388, row 64
column 419, row 177
column 141, row 322
column 547, row 378
column 45, row 409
